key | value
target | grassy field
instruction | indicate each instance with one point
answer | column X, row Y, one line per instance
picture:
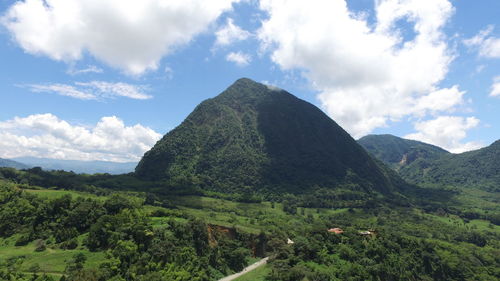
column 51, row 194
column 56, row 193
column 51, row 260
column 472, row 224
column 248, row 217
column 258, row 274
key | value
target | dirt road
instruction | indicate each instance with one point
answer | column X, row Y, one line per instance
column 245, row 270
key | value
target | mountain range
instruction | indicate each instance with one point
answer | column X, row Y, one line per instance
column 77, row 166
column 422, row 163
column 12, row 164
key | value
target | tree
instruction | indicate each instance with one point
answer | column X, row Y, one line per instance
column 76, row 263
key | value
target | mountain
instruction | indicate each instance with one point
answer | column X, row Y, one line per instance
column 87, row 167
column 252, row 136
column 12, row 164
column 422, row 163
column 478, row 168
column 398, row 152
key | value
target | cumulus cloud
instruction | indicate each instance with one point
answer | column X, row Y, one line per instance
column 239, row 58
column 94, row 90
column 45, row 135
column 230, row 34
column 367, row 74
column 128, row 34
column 441, row 100
column 487, row 45
column 447, row 132
column 495, row 87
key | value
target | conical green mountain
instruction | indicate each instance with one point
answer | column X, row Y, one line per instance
column 398, row 152
column 253, row 137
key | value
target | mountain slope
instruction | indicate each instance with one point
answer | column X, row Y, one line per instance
column 422, row 163
column 398, row 152
column 479, row 168
column 77, row 166
column 252, row 136
column 12, row 164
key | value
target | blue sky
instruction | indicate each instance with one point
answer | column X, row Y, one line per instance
column 104, row 80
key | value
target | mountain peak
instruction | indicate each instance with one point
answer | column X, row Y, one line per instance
column 245, row 83
column 245, row 88
column 252, row 136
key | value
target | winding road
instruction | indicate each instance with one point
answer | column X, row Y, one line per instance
column 245, row 270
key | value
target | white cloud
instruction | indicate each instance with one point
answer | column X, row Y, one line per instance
column 128, row 34
column 447, row 132
column 45, row 135
column 366, row 74
column 88, row 69
column 230, row 34
column 107, row 89
column 63, row 90
column 495, row 87
column 239, row 58
column 488, row 46
column 94, row 90
column 441, row 100
column 271, row 86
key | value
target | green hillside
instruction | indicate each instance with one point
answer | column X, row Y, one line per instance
column 421, row 163
column 478, row 168
column 398, row 152
column 252, row 137
column 49, row 234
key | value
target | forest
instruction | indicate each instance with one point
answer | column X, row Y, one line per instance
column 92, row 229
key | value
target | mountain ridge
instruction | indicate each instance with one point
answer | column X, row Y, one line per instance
column 477, row 168
column 9, row 163
column 78, row 166
column 398, row 152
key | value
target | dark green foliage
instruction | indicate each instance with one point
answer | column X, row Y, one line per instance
column 69, row 244
column 40, row 246
column 405, row 247
column 251, row 137
column 76, row 263
column 479, row 168
column 116, row 203
column 430, row 165
column 398, row 152
column 121, row 228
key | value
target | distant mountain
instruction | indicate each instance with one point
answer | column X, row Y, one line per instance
column 478, row 168
column 12, row 164
column 422, row 163
column 398, row 152
column 88, row 167
column 252, row 137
